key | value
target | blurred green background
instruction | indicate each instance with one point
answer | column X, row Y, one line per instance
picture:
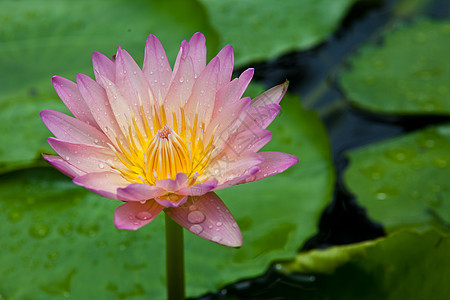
column 360, row 68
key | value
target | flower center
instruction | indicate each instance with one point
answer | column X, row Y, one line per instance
column 153, row 150
column 167, row 154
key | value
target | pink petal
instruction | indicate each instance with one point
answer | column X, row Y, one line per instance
column 238, row 178
column 207, row 217
column 103, row 183
column 244, row 81
column 228, row 121
column 203, row 95
column 180, row 87
column 251, row 140
column 231, row 92
column 69, row 94
column 84, row 157
column 229, row 171
column 98, row 102
column 260, row 117
column 173, row 185
column 274, row 95
column 71, row 129
column 274, row 163
column 198, row 189
column 156, row 67
column 134, row 215
column 226, row 56
column 197, row 52
column 119, row 105
column 63, row 166
column 172, row 200
column 264, row 108
column 104, row 66
column 133, row 85
column 139, row 192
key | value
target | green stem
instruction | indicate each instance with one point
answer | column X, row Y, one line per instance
column 174, row 260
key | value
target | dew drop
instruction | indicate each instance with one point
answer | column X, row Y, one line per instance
column 381, row 196
column 96, row 141
column 143, row 201
column 181, row 79
column 39, row 230
column 235, row 225
column 440, row 162
column 101, row 165
column 143, row 215
column 196, row 229
column 196, row 217
column 210, row 226
column 192, row 207
column 216, row 239
column 67, row 158
column 14, row 216
column 218, row 224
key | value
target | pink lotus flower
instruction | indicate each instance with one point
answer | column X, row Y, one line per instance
column 165, row 139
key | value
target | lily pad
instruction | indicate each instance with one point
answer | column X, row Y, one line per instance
column 404, row 265
column 259, row 31
column 409, row 73
column 54, row 37
column 404, row 181
column 59, row 239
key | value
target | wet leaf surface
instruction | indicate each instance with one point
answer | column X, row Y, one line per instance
column 404, row 181
column 407, row 73
column 406, row 264
column 258, row 32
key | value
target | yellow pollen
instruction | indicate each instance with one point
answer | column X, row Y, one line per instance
column 161, row 152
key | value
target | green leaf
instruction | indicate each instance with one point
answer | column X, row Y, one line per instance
column 39, row 40
column 404, row 181
column 59, row 239
column 407, row 74
column 261, row 30
column 404, row 265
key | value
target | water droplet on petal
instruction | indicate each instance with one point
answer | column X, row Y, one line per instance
column 101, row 165
column 143, row 201
column 96, row 141
column 67, row 158
column 196, row 229
column 181, row 79
column 192, row 207
column 196, row 217
column 144, row 215
column 216, row 239
column 218, row 224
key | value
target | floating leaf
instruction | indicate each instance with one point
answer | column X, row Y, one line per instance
column 46, row 38
column 404, row 265
column 260, row 31
column 404, row 181
column 409, row 73
column 59, row 239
